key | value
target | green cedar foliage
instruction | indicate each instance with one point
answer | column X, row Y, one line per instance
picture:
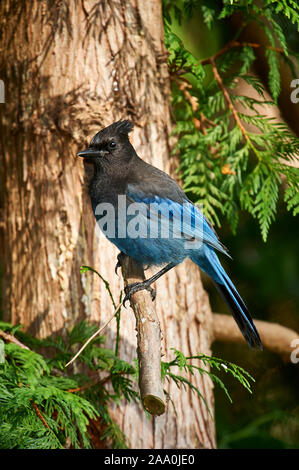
column 224, row 166
column 44, row 405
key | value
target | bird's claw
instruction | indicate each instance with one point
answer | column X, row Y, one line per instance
column 130, row 289
column 118, row 265
column 120, row 258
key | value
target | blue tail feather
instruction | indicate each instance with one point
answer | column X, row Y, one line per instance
column 209, row 262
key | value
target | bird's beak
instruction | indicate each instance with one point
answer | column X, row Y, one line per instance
column 89, row 153
column 92, row 152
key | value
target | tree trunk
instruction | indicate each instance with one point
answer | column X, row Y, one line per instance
column 70, row 69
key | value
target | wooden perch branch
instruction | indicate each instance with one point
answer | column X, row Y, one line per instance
column 275, row 337
column 148, row 341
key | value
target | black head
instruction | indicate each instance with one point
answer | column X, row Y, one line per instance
column 110, row 145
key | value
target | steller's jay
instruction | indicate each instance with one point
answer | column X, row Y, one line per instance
column 178, row 229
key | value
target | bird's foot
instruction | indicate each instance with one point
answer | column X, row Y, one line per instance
column 136, row 287
column 120, row 258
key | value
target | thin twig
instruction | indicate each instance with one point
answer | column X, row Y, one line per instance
column 95, row 334
column 232, row 108
column 95, row 382
column 40, row 415
column 12, row 339
column 88, row 268
column 234, row 43
column 228, row 99
column 222, row 51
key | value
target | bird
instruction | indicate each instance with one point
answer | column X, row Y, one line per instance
column 122, row 181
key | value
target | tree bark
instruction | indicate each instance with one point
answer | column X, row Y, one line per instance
column 69, row 69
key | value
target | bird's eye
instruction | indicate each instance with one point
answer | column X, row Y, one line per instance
column 112, row 145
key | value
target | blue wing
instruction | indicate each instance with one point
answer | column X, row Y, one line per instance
column 187, row 221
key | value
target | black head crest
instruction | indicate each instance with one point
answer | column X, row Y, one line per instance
column 123, row 127
column 119, row 127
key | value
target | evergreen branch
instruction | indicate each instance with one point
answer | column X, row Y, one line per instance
column 232, row 108
column 34, row 405
column 118, row 307
column 40, row 416
column 183, row 362
column 215, row 154
column 183, row 84
column 46, row 410
column 233, row 44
